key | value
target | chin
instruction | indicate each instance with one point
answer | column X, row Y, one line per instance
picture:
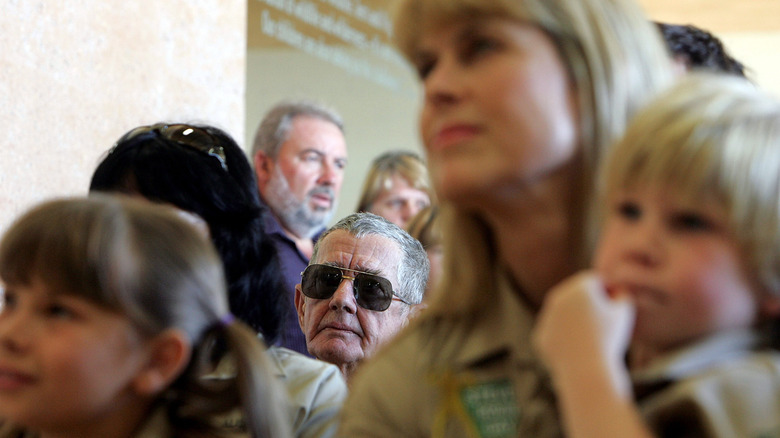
column 465, row 193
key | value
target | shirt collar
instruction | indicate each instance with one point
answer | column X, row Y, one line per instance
column 697, row 357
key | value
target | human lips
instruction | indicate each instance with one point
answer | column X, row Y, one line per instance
column 322, row 196
column 640, row 293
column 452, row 134
column 12, row 378
column 339, row 326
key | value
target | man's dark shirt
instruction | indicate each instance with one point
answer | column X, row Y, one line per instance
column 292, row 263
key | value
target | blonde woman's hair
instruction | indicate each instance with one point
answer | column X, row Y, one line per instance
column 425, row 226
column 712, row 138
column 407, row 165
column 615, row 59
column 142, row 261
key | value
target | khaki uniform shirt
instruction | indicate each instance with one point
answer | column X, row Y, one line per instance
column 721, row 387
column 316, row 390
column 476, row 378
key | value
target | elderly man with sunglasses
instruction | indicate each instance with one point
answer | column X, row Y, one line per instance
column 365, row 276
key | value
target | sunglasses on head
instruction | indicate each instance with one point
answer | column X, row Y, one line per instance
column 372, row 292
column 184, row 135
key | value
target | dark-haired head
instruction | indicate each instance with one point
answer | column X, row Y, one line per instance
column 699, row 49
column 202, row 170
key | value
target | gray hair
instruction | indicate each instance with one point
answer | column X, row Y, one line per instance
column 275, row 126
column 413, row 269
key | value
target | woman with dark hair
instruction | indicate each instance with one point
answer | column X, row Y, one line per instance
column 201, row 170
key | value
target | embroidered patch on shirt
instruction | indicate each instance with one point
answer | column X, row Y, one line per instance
column 493, row 408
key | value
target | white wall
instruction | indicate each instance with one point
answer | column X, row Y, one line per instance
column 77, row 74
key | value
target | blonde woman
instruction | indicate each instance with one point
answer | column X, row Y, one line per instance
column 396, row 187
column 521, row 99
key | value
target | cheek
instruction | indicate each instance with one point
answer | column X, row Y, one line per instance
column 717, row 286
column 542, row 111
column 313, row 315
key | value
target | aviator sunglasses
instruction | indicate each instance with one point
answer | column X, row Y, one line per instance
column 184, row 135
column 372, row 292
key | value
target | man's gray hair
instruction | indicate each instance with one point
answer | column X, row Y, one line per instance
column 413, row 269
column 275, row 126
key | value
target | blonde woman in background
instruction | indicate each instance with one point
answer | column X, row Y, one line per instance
column 521, row 99
column 396, row 187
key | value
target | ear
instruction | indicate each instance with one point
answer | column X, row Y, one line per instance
column 300, row 306
column 168, row 356
column 263, row 166
column 415, row 311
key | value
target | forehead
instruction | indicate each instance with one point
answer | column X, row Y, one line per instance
column 371, row 253
column 396, row 181
column 313, row 133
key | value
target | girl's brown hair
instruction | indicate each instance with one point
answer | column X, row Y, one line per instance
column 142, row 261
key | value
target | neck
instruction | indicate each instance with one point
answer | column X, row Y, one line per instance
column 347, row 369
column 535, row 232
column 304, row 244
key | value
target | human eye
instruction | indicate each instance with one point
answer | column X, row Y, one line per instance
column 395, row 203
column 59, row 310
column 422, row 203
column 310, row 157
column 424, row 65
column 628, row 210
column 478, row 45
column 341, row 164
column 9, row 300
column 691, row 221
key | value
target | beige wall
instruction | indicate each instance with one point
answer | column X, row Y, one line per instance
column 750, row 30
column 377, row 117
column 76, row 74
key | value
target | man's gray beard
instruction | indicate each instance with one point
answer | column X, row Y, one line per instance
column 295, row 215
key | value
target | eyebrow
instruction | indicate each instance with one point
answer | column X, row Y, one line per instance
column 357, row 267
column 321, row 154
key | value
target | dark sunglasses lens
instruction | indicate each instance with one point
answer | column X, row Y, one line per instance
column 373, row 292
column 320, row 281
column 195, row 138
column 184, row 134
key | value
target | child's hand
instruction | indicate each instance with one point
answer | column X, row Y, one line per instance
column 581, row 326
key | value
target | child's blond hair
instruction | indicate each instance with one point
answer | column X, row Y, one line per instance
column 716, row 138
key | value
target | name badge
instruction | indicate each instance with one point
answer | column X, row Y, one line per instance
column 492, row 407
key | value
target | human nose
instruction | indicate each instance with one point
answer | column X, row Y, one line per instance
column 408, row 210
column 331, row 174
column 344, row 297
column 16, row 331
column 442, row 83
column 643, row 244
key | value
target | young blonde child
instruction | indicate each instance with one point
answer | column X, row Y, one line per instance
column 687, row 270
column 114, row 315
